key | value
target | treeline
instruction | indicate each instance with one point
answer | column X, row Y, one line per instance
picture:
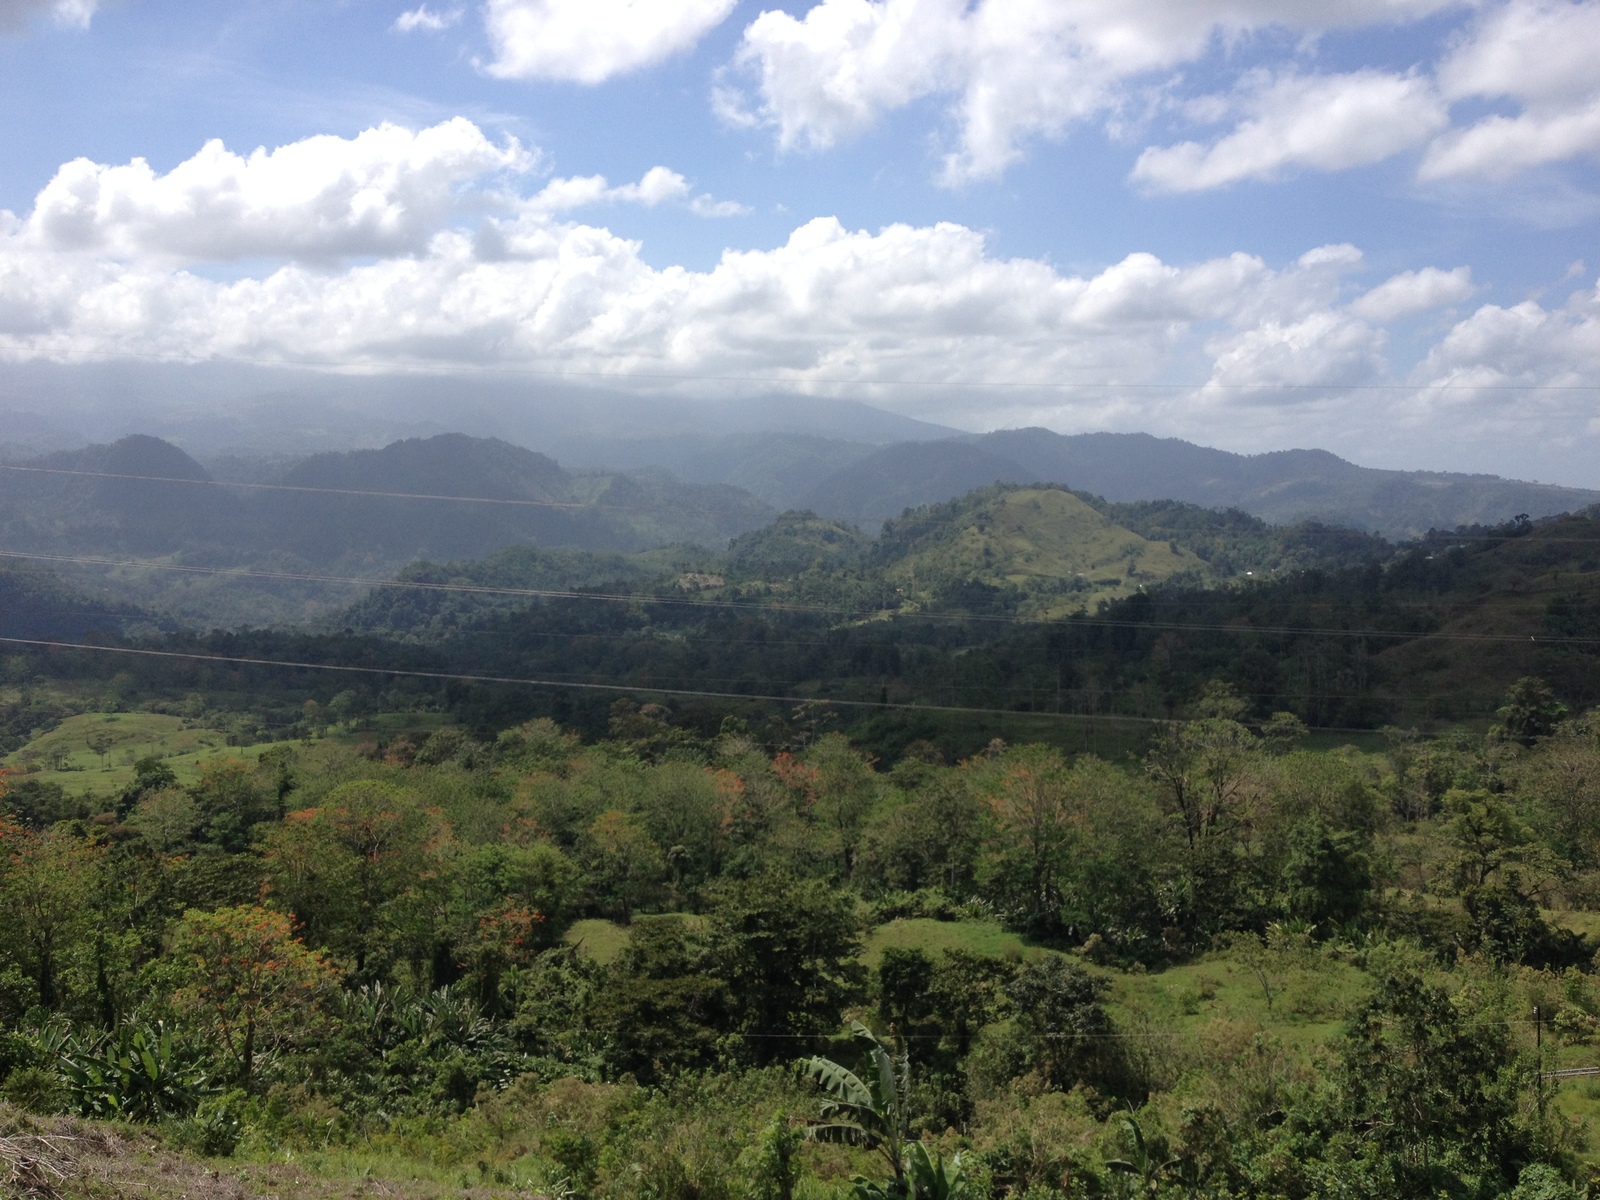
column 371, row 942
column 802, row 608
column 1433, row 636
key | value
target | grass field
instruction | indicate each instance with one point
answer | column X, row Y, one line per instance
column 600, row 939
column 95, row 752
column 603, row 940
column 934, row 937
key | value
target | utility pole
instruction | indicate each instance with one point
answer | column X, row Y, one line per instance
column 1538, row 1048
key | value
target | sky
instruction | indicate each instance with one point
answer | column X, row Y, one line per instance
column 1367, row 225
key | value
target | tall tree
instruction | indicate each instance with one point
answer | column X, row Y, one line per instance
column 362, row 871
column 245, row 980
column 45, row 882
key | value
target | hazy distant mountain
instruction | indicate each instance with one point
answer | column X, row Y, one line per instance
column 331, row 520
column 780, row 468
column 886, row 482
column 213, row 409
column 35, row 603
column 103, row 512
column 620, row 512
column 1284, row 487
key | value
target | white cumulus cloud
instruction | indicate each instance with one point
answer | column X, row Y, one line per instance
column 1011, row 69
column 509, row 284
column 1500, row 146
column 1413, row 292
column 16, row 14
column 384, row 191
column 1543, row 55
column 1524, row 345
column 1323, row 350
column 426, row 19
column 658, row 185
column 902, row 304
column 1326, row 122
column 590, row 41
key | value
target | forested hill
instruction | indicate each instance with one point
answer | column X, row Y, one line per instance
column 35, row 603
column 1032, row 551
column 143, row 498
column 965, row 605
column 51, row 507
column 1283, row 487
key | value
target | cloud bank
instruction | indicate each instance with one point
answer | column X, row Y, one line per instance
column 431, row 250
column 383, row 192
column 402, row 250
column 1010, row 72
column 590, row 41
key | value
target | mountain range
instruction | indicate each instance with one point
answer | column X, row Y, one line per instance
column 865, row 483
column 448, row 497
column 455, row 498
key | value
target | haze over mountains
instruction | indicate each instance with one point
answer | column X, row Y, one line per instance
column 787, row 450
column 1282, row 487
column 681, row 489
column 833, row 591
column 142, row 497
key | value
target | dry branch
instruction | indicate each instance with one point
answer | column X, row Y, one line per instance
column 32, row 1165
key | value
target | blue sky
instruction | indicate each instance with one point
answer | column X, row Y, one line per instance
column 1367, row 225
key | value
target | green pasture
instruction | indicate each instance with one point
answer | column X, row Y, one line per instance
column 95, row 752
column 934, row 937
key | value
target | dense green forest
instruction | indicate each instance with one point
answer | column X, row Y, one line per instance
column 1034, row 847
column 1230, row 966
column 946, row 610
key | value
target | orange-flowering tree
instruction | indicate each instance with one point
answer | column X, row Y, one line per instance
column 1067, row 847
column 246, row 980
column 844, row 790
column 362, row 871
column 1035, row 823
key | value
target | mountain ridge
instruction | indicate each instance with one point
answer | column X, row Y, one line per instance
column 1282, row 486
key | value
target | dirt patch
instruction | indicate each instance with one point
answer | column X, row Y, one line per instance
column 63, row 1158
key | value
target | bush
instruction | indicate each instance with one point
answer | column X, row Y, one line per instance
column 35, row 1089
column 133, row 1075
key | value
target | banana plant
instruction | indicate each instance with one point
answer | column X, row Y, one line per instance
column 1144, row 1167
column 872, row 1112
column 133, row 1077
column 933, row 1178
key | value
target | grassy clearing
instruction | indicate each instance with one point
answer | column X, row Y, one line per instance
column 1300, row 1002
column 603, row 940
column 933, row 937
column 597, row 938
column 95, row 752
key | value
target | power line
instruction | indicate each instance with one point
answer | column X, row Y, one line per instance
column 329, row 491
column 577, row 506
column 1084, row 622
column 557, row 684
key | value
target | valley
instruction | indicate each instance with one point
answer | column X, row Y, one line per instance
column 566, row 811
